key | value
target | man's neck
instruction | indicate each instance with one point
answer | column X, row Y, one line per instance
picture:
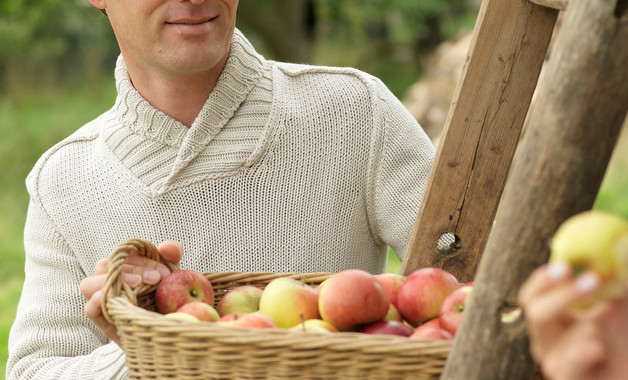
column 179, row 96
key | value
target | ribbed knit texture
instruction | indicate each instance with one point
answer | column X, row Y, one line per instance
column 288, row 168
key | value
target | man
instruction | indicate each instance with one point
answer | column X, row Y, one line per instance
column 250, row 164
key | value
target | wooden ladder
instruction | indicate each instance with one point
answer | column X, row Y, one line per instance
column 556, row 172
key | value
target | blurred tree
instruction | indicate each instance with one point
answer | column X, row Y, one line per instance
column 61, row 41
column 48, row 41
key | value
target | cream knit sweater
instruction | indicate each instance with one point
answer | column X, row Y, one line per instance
column 288, row 168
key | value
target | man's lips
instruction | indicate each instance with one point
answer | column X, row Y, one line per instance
column 189, row 21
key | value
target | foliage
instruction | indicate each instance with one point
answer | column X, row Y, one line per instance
column 51, row 40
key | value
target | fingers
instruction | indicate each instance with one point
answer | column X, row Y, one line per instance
column 90, row 285
column 576, row 354
column 171, row 251
column 94, row 312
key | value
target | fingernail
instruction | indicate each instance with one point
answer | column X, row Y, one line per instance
column 163, row 271
column 134, row 279
column 587, row 283
column 151, row 276
column 557, row 271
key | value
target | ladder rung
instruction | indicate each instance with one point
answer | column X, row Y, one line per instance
column 555, row 4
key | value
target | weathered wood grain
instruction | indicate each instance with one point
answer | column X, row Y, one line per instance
column 559, row 166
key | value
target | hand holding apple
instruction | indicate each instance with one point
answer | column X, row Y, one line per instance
column 595, row 241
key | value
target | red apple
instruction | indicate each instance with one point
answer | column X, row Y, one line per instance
column 352, row 298
column 388, row 328
column 391, row 282
column 452, row 310
column 315, row 325
column 431, row 332
column 201, row 310
column 422, row 293
column 252, row 320
column 181, row 287
column 181, row 317
column 432, row 322
column 289, row 302
column 240, row 299
column 232, row 316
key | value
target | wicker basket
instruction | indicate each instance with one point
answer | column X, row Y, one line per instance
column 158, row 347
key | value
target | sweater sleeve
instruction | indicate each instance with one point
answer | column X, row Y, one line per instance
column 51, row 337
column 401, row 172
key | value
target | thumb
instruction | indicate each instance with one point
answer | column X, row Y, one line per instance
column 171, row 251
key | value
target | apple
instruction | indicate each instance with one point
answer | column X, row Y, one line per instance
column 452, row 310
column 233, row 316
column 434, row 322
column 201, row 310
column 181, row 317
column 289, row 302
column 393, row 314
column 181, row 287
column 251, row 320
column 430, row 332
column 352, row 298
column 595, row 241
column 391, row 282
column 315, row 325
column 423, row 292
column 240, row 299
column 388, row 328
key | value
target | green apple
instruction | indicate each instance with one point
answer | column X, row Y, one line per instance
column 243, row 298
column 595, row 241
column 315, row 325
column 289, row 302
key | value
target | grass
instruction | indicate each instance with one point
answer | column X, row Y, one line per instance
column 32, row 123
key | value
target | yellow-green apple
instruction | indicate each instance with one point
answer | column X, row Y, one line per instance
column 181, row 287
column 251, row 320
column 595, row 241
column 240, row 299
column 352, row 298
column 452, row 310
column 315, row 325
column 393, row 314
column 288, row 302
column 181, row 317
column 391, row 282
column 201, row 310
column 423, row 292
column 430, row 332
column 388, row 328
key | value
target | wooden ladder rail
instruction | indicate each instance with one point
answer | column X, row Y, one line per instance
column 474, row 157
column 560, row 163
column 482, row 129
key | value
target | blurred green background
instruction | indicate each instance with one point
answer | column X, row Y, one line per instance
column 56, row 73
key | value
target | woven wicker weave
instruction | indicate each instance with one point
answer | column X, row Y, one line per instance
column 158, row 347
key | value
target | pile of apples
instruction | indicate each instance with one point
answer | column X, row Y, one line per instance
column 427, row 304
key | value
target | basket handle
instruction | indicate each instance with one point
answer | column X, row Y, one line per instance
column 114, row 284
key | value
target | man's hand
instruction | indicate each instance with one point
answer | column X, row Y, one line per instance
column 574, row 344
column 136, row 270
